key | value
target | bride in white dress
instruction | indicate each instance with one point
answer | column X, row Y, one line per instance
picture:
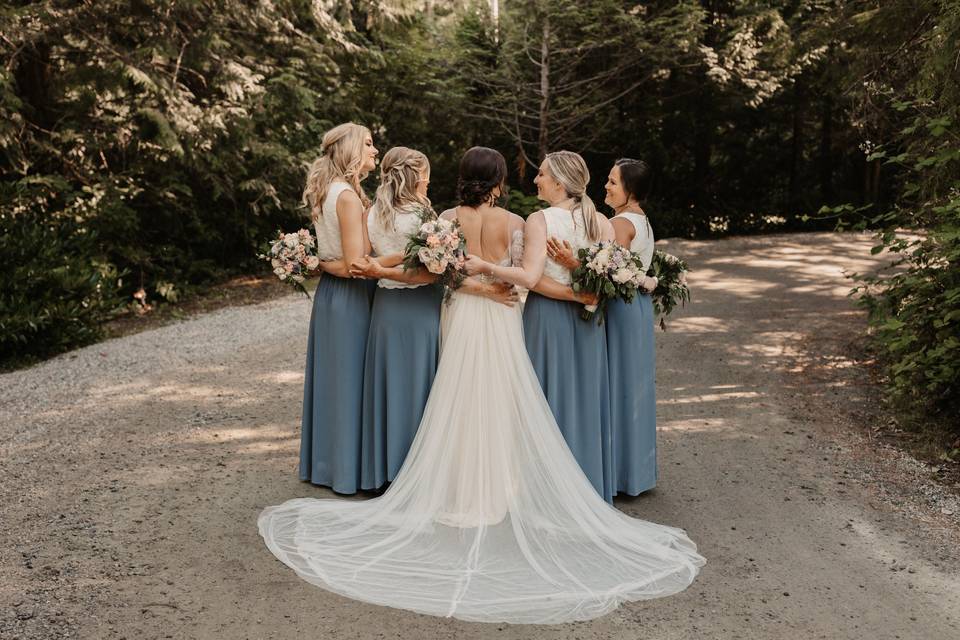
column 490, row 518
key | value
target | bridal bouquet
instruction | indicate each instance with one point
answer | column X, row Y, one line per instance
column 672, row 289
column 292, row 256
column 609, row 271
column 439, row 246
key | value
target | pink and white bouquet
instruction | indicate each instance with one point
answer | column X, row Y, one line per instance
column 438, row 246
column 671, row 273
column 609, row 271
column 292, row 256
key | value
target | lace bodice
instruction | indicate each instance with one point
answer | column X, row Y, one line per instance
column 564, row 225
column 642, row 242
column 327, row 226
column 386, row 241
column 514, row 257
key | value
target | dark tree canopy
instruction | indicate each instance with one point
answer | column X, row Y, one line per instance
column 148, row 147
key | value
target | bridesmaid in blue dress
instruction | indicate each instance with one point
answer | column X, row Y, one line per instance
column 404, row 336
column 333, row 383
column 630, row 342
column 568, row 353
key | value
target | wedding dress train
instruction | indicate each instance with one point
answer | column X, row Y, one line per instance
column 490, row 518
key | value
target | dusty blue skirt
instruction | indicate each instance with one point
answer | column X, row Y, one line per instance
column 633, row 402
column 333, row 383
column 570, row 357
column 402, row 354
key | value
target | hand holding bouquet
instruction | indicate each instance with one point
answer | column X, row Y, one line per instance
column 292, row 256
column 609, row 271
column 439, row 247
column 672, row 289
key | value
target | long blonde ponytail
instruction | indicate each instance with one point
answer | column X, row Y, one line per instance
column 341, row 158
column 570, row 170
column 400, row 172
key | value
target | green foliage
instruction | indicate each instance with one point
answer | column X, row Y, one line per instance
column 170, row 138
column 165, row 140
column 915, row 113
column 523, row 204
column 53, row 293
column 915, row 309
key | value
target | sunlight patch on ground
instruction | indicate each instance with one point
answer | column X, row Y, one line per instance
column 281, row 377
column 710, row 397
column 782, row 343
column 715, row 426
column 699, row 324
column 237, row 433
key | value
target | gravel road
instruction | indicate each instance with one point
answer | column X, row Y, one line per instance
column 133, row 472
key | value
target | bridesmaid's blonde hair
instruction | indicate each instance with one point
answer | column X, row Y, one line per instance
column 570, row 170
column 341, row 158
column 400, row 172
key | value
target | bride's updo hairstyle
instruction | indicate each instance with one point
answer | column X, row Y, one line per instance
column 570, row 170
column 481, row 171
column 341, row 158
column 635, row 178
column 400, row 172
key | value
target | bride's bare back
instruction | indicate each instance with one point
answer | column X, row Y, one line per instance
column 487, row 230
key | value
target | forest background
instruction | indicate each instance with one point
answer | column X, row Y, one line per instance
column 149, row 147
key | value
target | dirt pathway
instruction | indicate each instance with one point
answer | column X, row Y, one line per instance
column 133, row 472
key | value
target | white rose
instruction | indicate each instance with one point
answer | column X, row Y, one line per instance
column 275, row 263
column 291, row 240
column 622, row 275
column 312, row 262
column 280, row 271
column 602, row 259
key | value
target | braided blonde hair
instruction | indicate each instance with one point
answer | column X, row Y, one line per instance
column 400, row 171
column 341, row 158
column 570, row 170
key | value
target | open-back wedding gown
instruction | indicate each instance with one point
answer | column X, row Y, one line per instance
column 490, row 518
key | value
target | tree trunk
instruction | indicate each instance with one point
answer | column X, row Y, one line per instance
column 32, row 76
column 796, row 147
column 826, row 155
column 542, row 141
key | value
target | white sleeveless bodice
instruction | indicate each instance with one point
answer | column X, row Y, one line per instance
column 386, row 241
column 564, row 225
column 327, row 226
column 642, row 243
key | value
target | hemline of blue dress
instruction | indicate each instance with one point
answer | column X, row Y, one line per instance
column 569, row 355
column 631, row 358
column 403, row 349
column 330, row 436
